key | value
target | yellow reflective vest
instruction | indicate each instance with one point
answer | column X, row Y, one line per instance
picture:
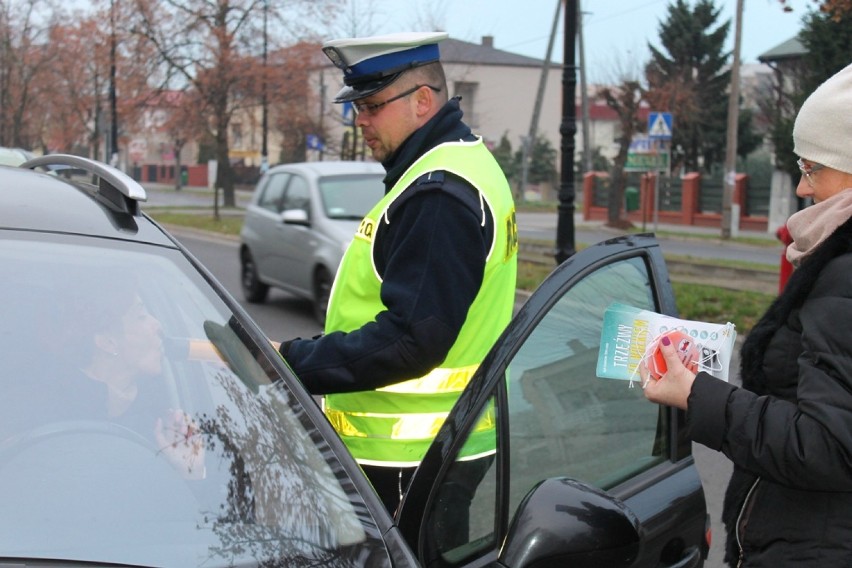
column 393, row 426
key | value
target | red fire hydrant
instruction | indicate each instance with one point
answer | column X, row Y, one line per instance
column 786, row 268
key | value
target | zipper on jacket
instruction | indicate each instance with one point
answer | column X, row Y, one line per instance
column 742, row 519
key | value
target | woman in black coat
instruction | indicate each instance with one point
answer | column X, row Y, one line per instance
column 788, row 431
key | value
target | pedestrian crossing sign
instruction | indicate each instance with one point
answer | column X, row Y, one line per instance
column 660, row 125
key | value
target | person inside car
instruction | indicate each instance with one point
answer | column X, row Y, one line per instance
column 119, row 345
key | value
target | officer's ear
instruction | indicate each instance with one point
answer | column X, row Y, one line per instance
column 425, row 101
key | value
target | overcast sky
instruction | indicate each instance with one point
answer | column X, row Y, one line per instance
column 615, row 32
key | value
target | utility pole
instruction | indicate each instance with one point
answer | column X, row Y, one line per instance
column 264, row 150
column 4, row 78
column 99, row 123
column 113, row 105
column 568, row 129
column 322, row 112
column 733, row 122
column 529, row 144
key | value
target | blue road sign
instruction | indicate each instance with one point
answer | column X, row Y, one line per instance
column 314, row 142
column 660, row 125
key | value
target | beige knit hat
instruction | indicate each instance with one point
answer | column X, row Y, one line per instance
column 823, row 129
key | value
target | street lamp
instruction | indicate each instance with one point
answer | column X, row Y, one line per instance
column 264, row 151
column 568, row 129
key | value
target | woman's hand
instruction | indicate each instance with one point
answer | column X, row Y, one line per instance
column 673, row 388
column 180, row 440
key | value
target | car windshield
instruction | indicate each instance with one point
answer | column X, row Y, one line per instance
column 139, row 425
column 351, row 196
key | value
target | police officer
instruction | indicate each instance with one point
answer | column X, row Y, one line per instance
column 427, row 284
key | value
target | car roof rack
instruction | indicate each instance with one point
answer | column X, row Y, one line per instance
column 114, row 187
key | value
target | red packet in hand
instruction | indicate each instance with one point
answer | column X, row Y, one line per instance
column 687, row 348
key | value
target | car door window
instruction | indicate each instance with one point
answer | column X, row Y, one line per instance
column 270, row 197
column 298, row 195
column 562, row 420
column 463, row 517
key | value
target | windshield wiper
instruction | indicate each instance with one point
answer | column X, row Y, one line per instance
column 346, row 217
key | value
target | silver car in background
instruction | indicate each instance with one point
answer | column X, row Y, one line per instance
column 299, row 222
column 14, row 156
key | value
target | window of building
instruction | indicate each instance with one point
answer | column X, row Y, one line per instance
column 237, row 135
column 467, row 92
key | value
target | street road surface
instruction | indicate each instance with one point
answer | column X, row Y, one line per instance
column 282, row 316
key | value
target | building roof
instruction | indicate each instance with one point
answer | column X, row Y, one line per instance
column 790, row 49
column 458, row 51
column 463, row 52
column 600, row 111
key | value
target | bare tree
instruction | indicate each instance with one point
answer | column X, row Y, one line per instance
column 292, row 100
column 181, row 122
column 213, row 49
column 357, row 18
column 430, row 16
column 624, row 99
column 23, row 58
column 59, row 86
column 75, row 89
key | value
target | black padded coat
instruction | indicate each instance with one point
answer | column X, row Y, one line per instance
column 788, row 431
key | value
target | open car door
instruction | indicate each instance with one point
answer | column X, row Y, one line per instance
column 542, row 463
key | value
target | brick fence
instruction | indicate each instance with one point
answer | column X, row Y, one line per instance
column 688, row 196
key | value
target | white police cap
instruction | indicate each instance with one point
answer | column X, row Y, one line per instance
column 370, row 64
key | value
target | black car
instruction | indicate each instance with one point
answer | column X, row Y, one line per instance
column 145, row 419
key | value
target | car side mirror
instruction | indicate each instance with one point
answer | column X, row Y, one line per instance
column 295, row 217
column 565, row 522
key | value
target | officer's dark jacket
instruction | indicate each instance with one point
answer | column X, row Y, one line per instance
column 788, row 431
column 432, row 261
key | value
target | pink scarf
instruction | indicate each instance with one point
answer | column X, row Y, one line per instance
column 812, row 225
